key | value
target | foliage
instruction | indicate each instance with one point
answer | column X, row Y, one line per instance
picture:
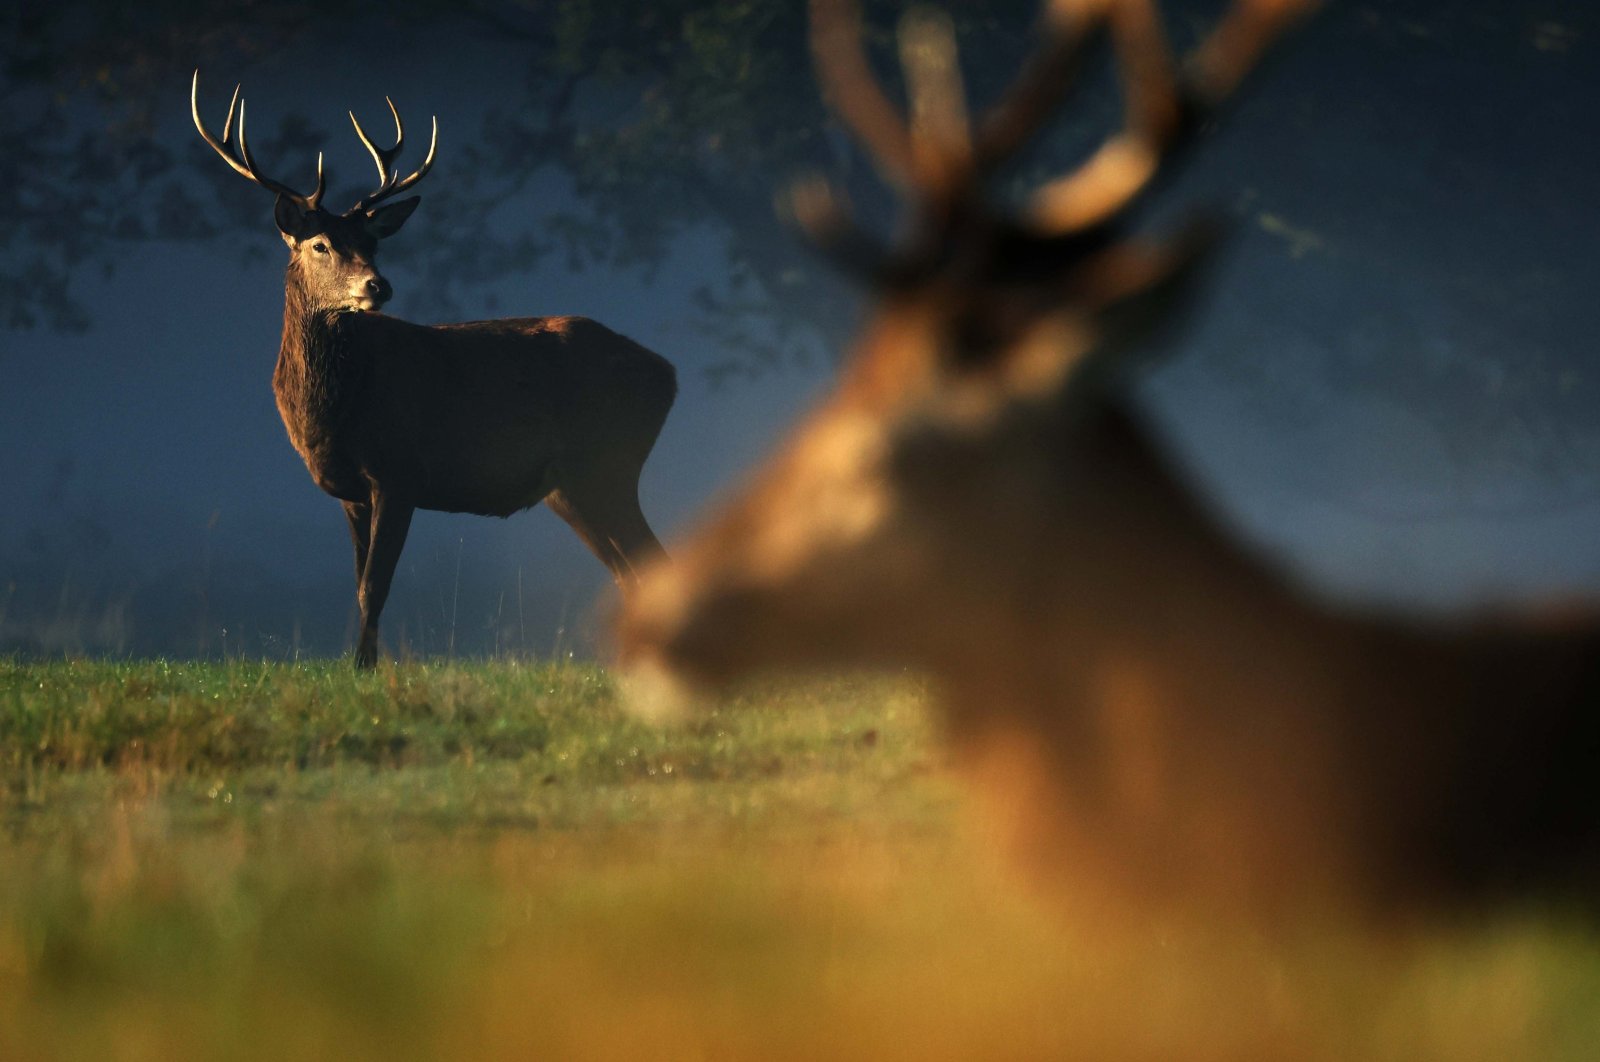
column 665, row 118
column 661, row 115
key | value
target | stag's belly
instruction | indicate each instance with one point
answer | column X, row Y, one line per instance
column 486, row 489
column 486, row 465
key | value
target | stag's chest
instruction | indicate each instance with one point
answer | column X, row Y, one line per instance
column 318, row 385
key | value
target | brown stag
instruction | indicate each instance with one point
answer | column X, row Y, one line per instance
column 1157, row 709
column 486, row 417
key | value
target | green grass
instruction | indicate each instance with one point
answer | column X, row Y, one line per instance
column 253, row 861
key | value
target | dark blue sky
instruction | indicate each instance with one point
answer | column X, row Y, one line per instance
column 1391, row 384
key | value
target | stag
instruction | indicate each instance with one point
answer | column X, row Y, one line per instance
column 1157, row 710
column 485, row 417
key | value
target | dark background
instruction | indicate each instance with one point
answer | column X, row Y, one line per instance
column 1394, row 383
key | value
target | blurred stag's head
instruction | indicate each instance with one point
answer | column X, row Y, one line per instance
column 907, row 520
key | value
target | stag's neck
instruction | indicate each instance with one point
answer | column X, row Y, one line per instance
column 1157, row 508
column 317, row 372
column 311, row 336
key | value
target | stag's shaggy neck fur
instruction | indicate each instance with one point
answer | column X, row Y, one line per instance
column 318, row 371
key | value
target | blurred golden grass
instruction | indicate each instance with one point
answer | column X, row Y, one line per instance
column 805, row 883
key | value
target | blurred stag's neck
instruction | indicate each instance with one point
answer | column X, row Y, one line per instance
column 1149, row 501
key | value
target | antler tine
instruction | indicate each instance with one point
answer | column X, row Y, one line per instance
column 853, row 93
column 219, row 146
column 1161, row 106
column 389, row 180
column 1116, row 173
column 227, row 123
column 941, row 136
column 823, row 213
column 244, row 163
column 1067, row 28
column 427, row 161
column 1218, row 65
column 308, row 201
column 383, row 158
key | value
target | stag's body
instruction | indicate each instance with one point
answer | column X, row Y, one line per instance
column 1157, row 708
column 486, row 417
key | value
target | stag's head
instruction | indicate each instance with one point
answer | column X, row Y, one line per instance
column 903, row 523
column 332, row 257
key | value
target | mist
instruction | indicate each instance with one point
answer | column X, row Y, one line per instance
column 1391, row 385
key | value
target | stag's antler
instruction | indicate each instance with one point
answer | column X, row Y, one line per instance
column 243, row 163
column 390, row 183
column 1163, row 104
column 941, row 161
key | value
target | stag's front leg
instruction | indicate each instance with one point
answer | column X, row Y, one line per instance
column 391, row 519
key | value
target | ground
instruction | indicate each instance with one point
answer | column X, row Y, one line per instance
column 250, row 860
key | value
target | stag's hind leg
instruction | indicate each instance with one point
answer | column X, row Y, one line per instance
column 359, row 514
column 391, row 520
column 604, row 511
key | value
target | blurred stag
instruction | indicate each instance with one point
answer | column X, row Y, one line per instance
column 486, row 417
column 1157, row 711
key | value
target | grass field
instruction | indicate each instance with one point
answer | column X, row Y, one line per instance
column 478, row 861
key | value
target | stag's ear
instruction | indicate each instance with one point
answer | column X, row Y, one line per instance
column 386, row 220
column 293, row 219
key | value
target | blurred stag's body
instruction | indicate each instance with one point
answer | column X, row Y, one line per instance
column 1155, row 708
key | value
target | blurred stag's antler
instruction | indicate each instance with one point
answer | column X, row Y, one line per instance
column 941, row 159
column 1164, row 104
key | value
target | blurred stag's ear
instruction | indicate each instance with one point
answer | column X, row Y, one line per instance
column 385, row 221
column 293, row 218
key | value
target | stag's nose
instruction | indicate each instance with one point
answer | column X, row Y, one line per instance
column 378, row 290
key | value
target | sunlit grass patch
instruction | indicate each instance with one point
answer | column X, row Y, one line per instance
column 235, row 861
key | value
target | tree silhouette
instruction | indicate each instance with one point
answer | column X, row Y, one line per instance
column 670, row 116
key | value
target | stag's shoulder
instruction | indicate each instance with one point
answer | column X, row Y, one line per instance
column 577, row 332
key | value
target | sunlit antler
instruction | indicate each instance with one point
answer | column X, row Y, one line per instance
column 852, row 91
column 390, row 183
column 1065, row 32
column 243, row 163
column 939, row 159
column 1163, row 104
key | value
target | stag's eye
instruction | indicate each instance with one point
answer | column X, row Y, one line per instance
column 320, row 248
